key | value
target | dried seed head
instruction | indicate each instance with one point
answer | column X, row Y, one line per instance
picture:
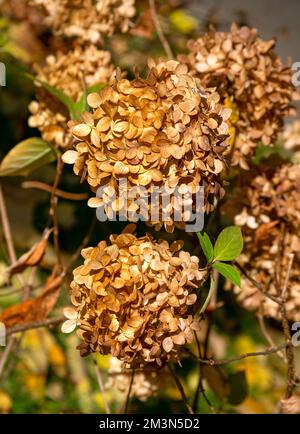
column 87, row 20
column 69, row 73
column 134, row 299
column 250, row 78
column 266, row 202
column 164, row 130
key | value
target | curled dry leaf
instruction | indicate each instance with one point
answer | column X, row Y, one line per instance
column 36, row 309
column 31, row 258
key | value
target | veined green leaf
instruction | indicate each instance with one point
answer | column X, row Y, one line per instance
column 229, row 244
column 26, row 156
column 206, row 246
column 59, row 94
column 229, row 272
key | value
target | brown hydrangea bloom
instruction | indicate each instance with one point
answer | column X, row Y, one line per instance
column 68, row 73
column 145, row 382
column 164, row 130
column 20, row 10
column 248, row 74
column 134, row 299
column 269, row 213
column 87, row 20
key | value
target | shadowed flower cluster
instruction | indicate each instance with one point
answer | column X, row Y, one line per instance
column 270, row 218
column 249, row 76
column 134, row 299
column 71, row 73
column 145, row 382
column 87, row 20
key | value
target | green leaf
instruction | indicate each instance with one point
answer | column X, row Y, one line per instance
column 229, row 244
column 263, row 152
column 238, row 388
column 206, row 245
column 229, row 272
column 60, row 95
column 26, row 156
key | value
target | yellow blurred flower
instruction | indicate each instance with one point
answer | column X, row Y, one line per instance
column 183, row 22
column 5, row 402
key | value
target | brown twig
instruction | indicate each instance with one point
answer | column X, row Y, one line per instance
column 35, row 325
column 212, row 362
column 281, row 291
column 59, row 193
column 181, row 390
column 288, row 338
column 160, row 33
column 267, row 335
column 52, row 211
column 200, row 387
column 8, row 235
column 287, row 276
column 6, row 353
column 129, row 392
column 257, row 285
column 13, row 259
column 101, row 387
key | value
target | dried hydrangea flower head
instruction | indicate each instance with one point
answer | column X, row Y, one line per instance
column 70, row 72
column 145, row 382
column 20, row 10
column 268, row 201
column 87, row 20
column 249, row 75
column 165, row 130
column 134, row 299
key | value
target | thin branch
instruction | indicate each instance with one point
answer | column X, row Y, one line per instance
column 6, row 353
column 129, row 392
column 52, row 211
column 101, row 387
column 8, row 235
column 287, row 276
column 289, row 351
column 160, row 33
column 256, row 284
column 200, row 387
column 267, row 335
column 35, row 325
column 59, row 193
column 212, row 362
column 180, row 388
column 6, row 229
